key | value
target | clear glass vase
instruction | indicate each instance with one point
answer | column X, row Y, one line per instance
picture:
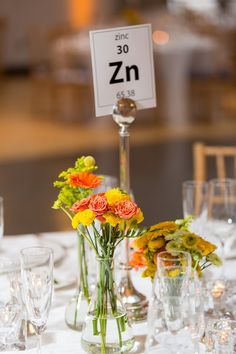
column 106, row 328
column 77, row 307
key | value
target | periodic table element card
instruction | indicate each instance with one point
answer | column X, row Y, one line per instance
column 122, row 62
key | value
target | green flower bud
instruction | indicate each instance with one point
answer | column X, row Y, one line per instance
column 89, row 161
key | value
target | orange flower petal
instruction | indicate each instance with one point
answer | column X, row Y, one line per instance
column 84, row 180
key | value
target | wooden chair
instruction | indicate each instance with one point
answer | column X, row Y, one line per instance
column 202, row 152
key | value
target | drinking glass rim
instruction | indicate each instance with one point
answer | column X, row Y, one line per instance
column 23, row 250
column 193, row 182
column 173, row 258
column 219, row 181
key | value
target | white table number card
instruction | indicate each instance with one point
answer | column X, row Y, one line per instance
column 122, row 61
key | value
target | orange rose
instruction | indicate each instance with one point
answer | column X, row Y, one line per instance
column 98, row 204
column 137, row 259
column 84, row 180
column 80, row 205
column 126, row 209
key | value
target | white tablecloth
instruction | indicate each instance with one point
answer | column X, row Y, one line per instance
column 58, row 338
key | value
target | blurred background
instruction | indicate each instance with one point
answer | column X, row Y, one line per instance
column 47, row 116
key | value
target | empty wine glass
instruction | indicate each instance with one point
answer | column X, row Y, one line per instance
column 11, row 308
column 37, row 286
column 194, row 197
column 222, row 210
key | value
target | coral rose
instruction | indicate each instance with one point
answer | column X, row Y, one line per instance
column 84, row 180
column 98, row 204
column 125, row 209
column 80, row 205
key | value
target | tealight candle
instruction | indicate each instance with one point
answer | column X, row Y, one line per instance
column 223, row 337
column 218, row 289
column 220, row 336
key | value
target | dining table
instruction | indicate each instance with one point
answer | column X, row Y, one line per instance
column 58, row 338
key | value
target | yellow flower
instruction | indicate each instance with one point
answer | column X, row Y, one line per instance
column 174, row 273
column 154, row 244
column 205, row 247
column 190, row 241
column 139, row 217
column 84, row 217
column 172, row 246
column 116, row 195
column 112, row 219
column 170, row 226
column 140, row 242
column 150, row 271
column 154, row 234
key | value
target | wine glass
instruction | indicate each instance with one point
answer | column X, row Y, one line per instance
column 37, row 286
column 222, row 210
column 194, row 197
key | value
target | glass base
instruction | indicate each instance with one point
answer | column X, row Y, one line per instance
column 136, row 304
column 114, row 343
column 110, row 348
column 76, row 311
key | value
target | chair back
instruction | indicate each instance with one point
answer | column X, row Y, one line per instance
column 201, row 155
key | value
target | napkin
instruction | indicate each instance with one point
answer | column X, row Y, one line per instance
column 67, row 239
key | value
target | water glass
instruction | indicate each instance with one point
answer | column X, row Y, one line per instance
column 173, row 271
column 1, row 220
column 194, row 197
column 221, row 336
column 176, row 314
column 37, row 286
column 12, row 331
column 193, row 308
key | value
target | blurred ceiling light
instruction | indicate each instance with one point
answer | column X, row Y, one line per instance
column 160, row 37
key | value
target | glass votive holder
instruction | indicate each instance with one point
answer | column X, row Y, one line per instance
column 12, row 319
column 221, row 336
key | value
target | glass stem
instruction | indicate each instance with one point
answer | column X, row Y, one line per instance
column 39, row 343
column 223, row 259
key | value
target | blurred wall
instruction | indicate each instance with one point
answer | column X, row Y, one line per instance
column 21, row 17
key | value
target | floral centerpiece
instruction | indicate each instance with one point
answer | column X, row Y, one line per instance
column 119, row 217
column 172, row 236
column 74, row 184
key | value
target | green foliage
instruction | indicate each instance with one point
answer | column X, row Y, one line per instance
column 68, row 194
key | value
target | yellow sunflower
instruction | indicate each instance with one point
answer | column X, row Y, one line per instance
column 190, row 241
